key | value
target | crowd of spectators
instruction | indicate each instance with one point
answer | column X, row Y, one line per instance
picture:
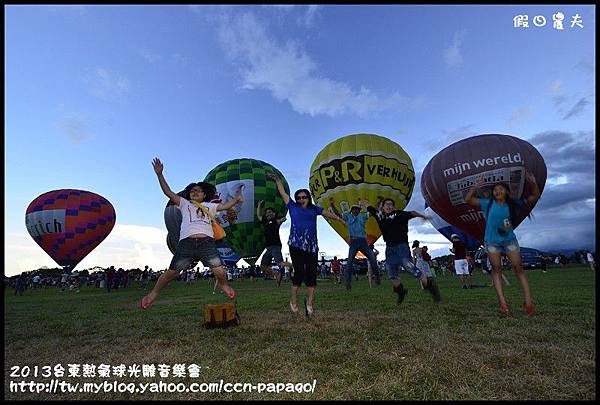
column 112, row 279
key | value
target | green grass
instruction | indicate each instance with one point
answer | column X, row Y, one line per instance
column 359, row 345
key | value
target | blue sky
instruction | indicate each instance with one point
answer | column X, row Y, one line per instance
column 93, row 93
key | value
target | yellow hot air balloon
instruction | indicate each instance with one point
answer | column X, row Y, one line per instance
column 361, row 166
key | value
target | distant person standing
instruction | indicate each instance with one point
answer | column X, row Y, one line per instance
column 110, row 278
column 461, row 265
column 590, row 259
column 20, row 284
column 544, row 264
column 336, row 269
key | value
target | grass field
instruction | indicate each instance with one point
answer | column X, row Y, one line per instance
column 359, row 345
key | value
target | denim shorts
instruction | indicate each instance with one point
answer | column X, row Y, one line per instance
column 507, row 246
column 399, row 256
column 273, row 252
column 192, row 250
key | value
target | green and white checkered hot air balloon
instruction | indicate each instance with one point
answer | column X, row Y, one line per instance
column 245, row 235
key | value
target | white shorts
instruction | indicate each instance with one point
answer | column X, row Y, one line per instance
column 462, row 267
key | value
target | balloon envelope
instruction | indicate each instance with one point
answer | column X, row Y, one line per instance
column 361, row 166
column 496, row 158
column 68, row 224
column 447, row 230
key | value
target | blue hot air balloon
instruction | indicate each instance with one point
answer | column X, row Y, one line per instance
column 447, row 230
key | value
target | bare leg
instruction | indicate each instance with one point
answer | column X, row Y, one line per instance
column 310, row 293
column 219, row 273
column 294, row 299
column 495, row 260
column 515, row 260
column 162, row 281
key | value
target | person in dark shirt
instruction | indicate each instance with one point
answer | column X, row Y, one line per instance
column 394, row 228
column 271, row 225
column 461, row 264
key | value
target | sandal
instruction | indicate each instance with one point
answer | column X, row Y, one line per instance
column 504, row 309
column 529, row 309
column 230, row 292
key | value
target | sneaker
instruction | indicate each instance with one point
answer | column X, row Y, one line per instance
column 294, row 307
column 348, row 287
column 465, row 287
column 401, row 291
column 529, row 309
column 504, row 310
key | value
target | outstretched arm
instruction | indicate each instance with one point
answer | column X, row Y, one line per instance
column 470, row 197
column 158, row 169
column 259, row 210
column 280, row 188
column 535, row 189
column 416, row 214
column 230, row 203
column 329, row 215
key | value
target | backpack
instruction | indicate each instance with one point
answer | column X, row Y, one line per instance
column 220, row 316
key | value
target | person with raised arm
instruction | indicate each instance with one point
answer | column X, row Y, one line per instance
column 303, row 242
column 500, row 213
column 271, row 223
column 393, row 224
column 196, row 237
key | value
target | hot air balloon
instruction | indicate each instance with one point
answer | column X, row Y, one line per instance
column 496, row 158
column 245, row 235
column 361, row 166
column 448, row 230
column 68, row 224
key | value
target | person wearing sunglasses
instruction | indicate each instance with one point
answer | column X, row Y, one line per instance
column 196, row 242
column 303, row 242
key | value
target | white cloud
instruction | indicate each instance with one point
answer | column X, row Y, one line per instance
column 74, row 127
column 150, row 56
column 291, row 75
column 309, row 16
column 452, row 54
column 180, row 59
column 127, row 246
column 107, row 85
column 555, row 87
column 519, row 116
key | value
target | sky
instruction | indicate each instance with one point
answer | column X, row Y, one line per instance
column 94, row 93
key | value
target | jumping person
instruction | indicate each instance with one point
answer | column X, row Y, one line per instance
column 196, row 241
column 303, row 242
column 501, row 213
column 358, row 241
column 271, row 224
column 394, row 229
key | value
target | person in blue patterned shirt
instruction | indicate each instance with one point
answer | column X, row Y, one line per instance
column 303, row 242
